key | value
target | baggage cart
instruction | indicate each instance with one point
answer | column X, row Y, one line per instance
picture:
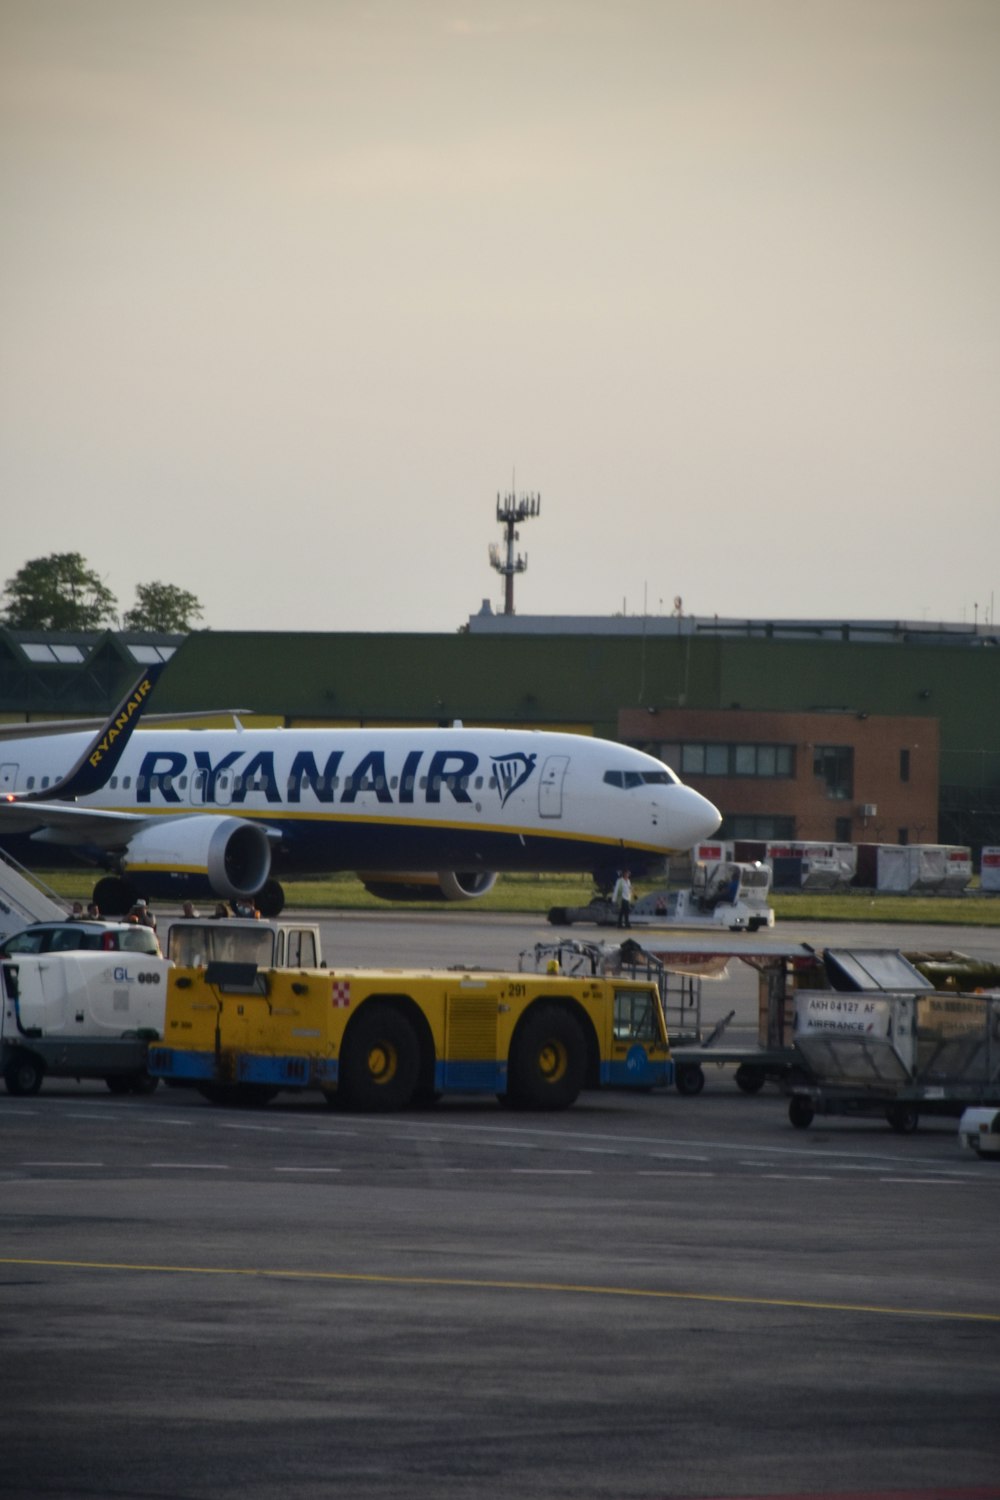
column 897, row 1055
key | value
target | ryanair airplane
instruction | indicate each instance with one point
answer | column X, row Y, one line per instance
column 418, row 813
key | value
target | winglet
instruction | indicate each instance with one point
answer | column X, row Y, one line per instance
column 102, row 755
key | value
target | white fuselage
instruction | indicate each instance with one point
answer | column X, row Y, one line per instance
column 391, row 799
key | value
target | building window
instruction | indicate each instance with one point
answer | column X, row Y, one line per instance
column 834, row 764
column 842, row 830
column 716, row 760
column 694, row 758
column 766, row 826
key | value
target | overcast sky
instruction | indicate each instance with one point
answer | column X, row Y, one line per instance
column 291, row 290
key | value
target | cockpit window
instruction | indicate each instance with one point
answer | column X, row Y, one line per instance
column 638, row 778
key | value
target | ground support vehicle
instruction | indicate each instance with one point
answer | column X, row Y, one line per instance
column 979, row 1130
column 784, row 971
column 901, row 1055
column 84, row 999
column 80, row 1014
column 724, row 896
column 679, row 968
column 382, row 1039
column 194, row 941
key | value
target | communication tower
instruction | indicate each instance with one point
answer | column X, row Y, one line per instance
column 511, row 511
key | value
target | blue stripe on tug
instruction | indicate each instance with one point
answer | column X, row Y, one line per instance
column 636, row 1070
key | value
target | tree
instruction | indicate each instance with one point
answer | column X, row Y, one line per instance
column 58, row 592
column 164, row 608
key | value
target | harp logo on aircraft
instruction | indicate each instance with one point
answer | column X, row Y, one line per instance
column 512, row 771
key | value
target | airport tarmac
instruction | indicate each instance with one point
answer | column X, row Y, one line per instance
column 646, row 1296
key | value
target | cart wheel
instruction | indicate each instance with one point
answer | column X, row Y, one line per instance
column 904, row 1118
column 750, row 1080
column 689, row 1078
column 801, row 1111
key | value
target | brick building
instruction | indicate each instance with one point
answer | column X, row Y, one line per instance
column 834, row 777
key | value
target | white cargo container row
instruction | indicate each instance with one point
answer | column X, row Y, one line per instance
column 923, row 867
column 804, row 864
column 989, row 870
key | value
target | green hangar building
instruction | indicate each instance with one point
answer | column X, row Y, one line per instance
column 881, row 732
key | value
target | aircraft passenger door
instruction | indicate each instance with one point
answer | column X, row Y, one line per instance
column 550, row 787
column 8, row 776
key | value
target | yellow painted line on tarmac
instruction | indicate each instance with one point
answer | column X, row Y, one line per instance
column 487, row 1284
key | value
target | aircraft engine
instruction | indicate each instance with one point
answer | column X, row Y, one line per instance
column 233, row 854
column 430, row 885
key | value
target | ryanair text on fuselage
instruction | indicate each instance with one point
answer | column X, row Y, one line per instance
column 423, row 776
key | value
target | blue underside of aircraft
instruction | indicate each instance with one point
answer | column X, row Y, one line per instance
column 344, row 844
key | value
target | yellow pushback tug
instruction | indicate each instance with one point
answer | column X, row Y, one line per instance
column 381, row 1039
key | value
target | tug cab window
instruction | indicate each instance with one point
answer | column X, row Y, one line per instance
column 635, row 1016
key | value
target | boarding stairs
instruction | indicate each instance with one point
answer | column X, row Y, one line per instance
column 24, row 898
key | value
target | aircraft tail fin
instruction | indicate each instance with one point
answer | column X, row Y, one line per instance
column 102, row 755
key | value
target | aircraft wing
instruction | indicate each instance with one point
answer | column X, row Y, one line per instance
column 68, row 823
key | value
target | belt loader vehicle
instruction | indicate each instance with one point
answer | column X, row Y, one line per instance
column 723, row 896
column 382, row 1039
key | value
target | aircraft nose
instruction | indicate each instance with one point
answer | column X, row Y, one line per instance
column 692, row 818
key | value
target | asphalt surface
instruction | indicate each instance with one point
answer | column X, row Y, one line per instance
column 646, row 1296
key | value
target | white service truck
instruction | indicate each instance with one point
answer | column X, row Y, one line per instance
column 80, row 1014
column 86, row 1013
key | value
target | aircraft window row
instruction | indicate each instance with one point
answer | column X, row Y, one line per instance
column 166, row 782
column 30, row 783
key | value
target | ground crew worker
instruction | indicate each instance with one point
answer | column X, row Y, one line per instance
column 622, row 899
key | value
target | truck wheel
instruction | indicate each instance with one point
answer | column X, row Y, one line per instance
column 251, row 1095
column 689, row 1078
column 131, row 1083
column 548, row 1060
column 750, row 1080
column 24, row 1073
column 903, row 1118
column 801, row 1111
column 380, row 1063
column 215, row 1093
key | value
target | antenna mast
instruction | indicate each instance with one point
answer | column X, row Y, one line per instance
column 511, row 511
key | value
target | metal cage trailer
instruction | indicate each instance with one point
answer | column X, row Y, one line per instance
column 899, row 1055
column 679, row 966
